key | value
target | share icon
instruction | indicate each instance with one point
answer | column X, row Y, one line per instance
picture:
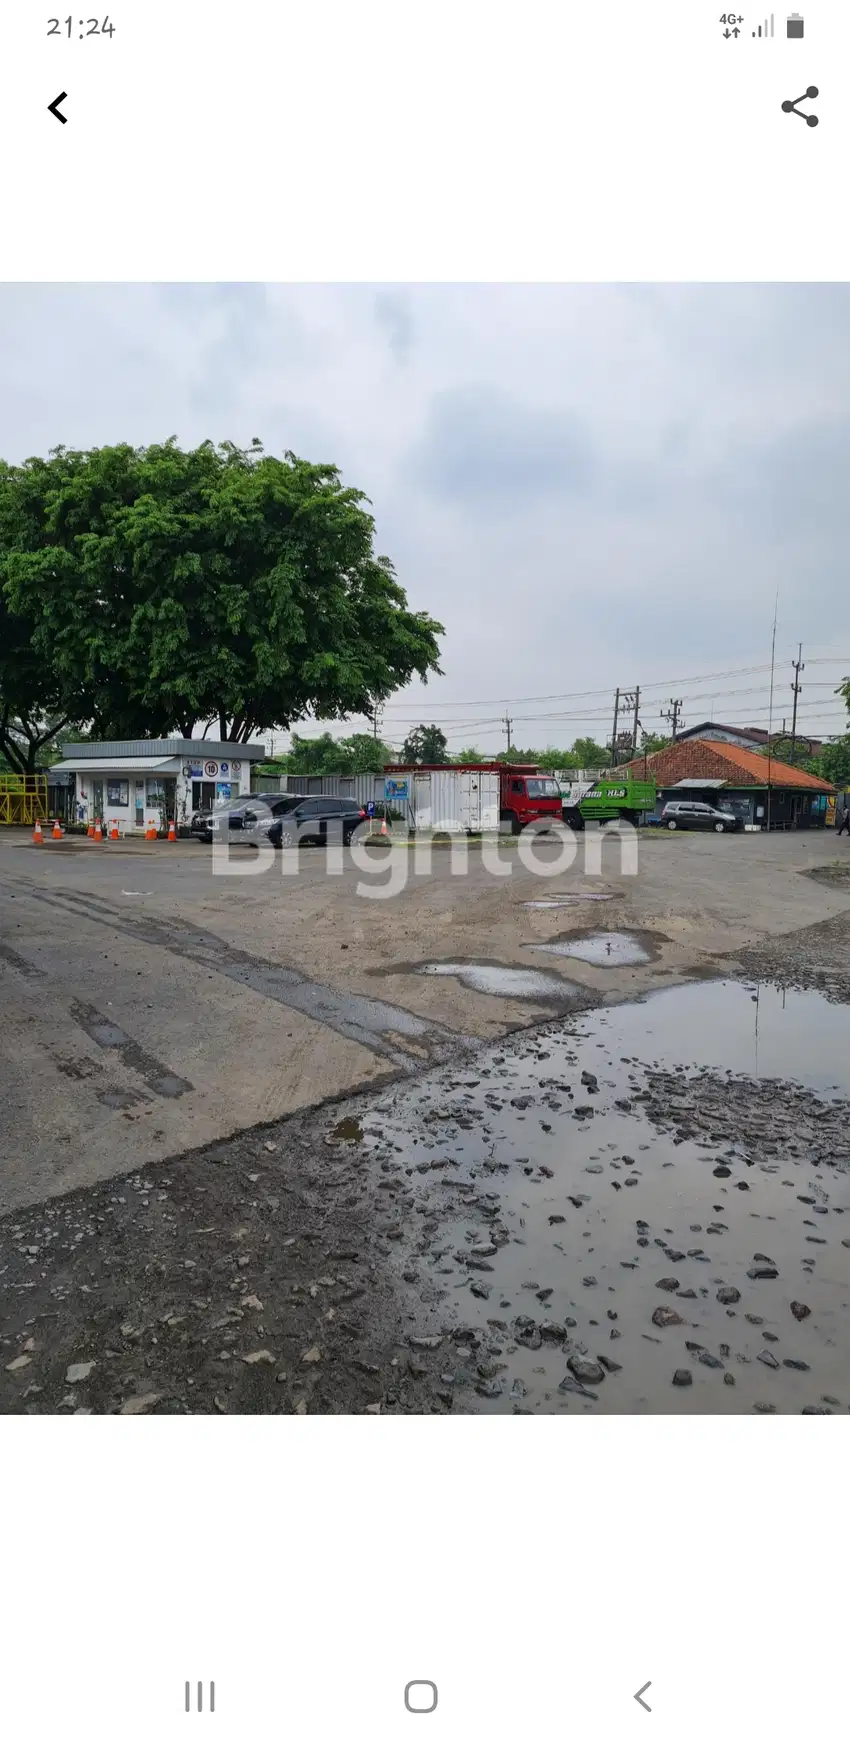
column 789, row 107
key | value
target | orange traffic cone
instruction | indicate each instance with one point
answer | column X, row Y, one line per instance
column 113, row 834
column 38, row 834
column 150, row 834
column 383, row 827
column 57, row 829
column 172, row 834
column 98, row 834
column 90, row 832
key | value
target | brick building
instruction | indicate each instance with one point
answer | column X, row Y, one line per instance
column 760, row 790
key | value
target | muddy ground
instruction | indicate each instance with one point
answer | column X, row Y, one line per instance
column 641, row 1208
column 152, row 1006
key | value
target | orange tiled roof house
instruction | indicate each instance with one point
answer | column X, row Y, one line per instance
column 710, row 769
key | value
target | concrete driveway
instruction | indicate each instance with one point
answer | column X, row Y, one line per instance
column 151, row 1005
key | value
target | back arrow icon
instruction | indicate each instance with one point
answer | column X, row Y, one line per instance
column 642, row 1701
column 54, row 107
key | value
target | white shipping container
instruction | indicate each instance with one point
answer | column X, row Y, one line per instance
column 454, row 800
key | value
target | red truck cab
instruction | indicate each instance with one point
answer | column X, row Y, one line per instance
column 526, row 795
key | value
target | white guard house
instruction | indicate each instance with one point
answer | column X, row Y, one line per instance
column 138, row 783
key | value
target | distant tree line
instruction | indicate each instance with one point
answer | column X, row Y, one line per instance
column 325, row 755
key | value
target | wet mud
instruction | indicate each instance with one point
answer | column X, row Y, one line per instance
column 642, row 1208
column 647, row 1210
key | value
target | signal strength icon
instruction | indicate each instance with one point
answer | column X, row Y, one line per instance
column 765, row 29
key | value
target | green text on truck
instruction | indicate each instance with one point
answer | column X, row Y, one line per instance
column 609, row 798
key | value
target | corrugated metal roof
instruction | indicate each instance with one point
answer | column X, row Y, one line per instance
column 112, row 764
column 700, row 782
column 229, row 749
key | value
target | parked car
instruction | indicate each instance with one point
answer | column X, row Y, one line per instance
column 698, row 816
column 248, row 815
column 283, row 820
column 315, row 819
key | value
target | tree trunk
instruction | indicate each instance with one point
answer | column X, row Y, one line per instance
column 23, row 759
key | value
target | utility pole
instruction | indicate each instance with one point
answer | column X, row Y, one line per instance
column 614, row 729
column 672, row 715
column 798, row 666
column 508, row 726
column 631, row 701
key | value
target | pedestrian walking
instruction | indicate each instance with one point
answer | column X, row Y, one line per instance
column 844, row 824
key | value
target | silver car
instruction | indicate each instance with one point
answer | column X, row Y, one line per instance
column 698, row 816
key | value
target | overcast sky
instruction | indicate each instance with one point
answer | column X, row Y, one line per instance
column 588, row 486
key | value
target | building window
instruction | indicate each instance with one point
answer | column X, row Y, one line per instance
column 118, row 794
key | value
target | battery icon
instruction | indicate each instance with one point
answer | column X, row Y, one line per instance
column 795, row 24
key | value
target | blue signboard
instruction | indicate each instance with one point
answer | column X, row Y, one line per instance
column 395, row 788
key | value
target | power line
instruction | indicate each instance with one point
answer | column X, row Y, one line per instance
column 569, row 697
column 656, row 684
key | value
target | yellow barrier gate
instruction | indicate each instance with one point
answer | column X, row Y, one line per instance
column 23, row 799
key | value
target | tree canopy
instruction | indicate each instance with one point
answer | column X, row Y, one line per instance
column 584, row 754
column 351, row 755
column 156, row 588
column 425, row 746
column 833, row 762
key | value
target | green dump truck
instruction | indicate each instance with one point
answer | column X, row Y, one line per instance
column 609, row 798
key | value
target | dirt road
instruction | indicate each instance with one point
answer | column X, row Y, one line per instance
column 151, row 1007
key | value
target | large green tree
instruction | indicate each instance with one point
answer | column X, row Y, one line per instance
column 425, row 745
column 833, row 762
column 33, row 709
column 211, row 585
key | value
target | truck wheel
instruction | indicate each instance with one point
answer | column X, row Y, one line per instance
column 671, row 824
column 573, row 818
column 510, row 822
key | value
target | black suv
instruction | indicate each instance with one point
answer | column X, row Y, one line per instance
column 285, row 820
column 314, row 819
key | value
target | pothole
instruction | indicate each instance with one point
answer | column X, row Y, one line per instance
column 600, row 949
column 510, row 982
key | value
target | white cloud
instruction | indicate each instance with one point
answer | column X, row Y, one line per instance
column 587, row 485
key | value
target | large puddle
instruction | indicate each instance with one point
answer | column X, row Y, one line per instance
column 504, row 980
column 607, row 1215
column 741, row 1028
column 600, row 949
